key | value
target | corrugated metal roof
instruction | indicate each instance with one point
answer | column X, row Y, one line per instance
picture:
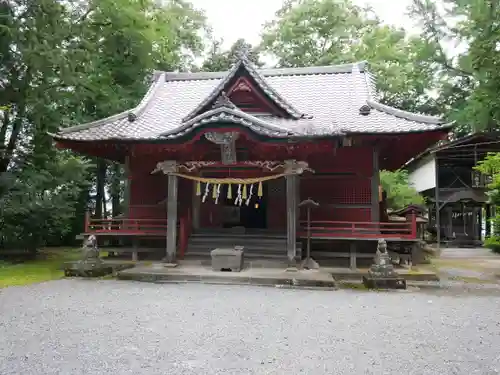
column 330, row 96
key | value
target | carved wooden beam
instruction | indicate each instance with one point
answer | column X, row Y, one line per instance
column 227, row 142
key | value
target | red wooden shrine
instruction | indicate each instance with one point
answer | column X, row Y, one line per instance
column 326, row 117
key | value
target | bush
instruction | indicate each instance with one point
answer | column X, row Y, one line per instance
column 399, row 191
column 493, row 243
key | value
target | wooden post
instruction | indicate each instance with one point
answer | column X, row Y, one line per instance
column 135, row 244
column 172, row 219
column 438, row 221
column 480, row 222
column 291, row 219
column 375, row 183
column 476, row 226
column 196, row 208
column 488, row 220
column 413, row 225
column 352, row 256
column 449, row 215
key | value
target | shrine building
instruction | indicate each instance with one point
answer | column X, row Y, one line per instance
column 225, row 159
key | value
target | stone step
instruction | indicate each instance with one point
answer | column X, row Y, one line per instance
column 249, row 246
column 269, row 237
column 247, row 254
column 278, row 263
column 248, row 243
column 262, row 245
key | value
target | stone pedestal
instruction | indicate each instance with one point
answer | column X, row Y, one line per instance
column 309, row 264
column 90, row 265
column 384, row 283
column 227, row 259
column 382, row 274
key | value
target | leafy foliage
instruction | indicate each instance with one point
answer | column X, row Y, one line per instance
column 399, row 191
column 493, row 242
column 65, row 63
column 470, row 79
column 40, row 203
column 220, row 60
column 491, row 166
column 323, row 32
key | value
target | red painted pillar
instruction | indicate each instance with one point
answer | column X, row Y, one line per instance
column 413, row 225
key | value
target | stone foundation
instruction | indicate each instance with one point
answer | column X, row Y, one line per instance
column 384, row 283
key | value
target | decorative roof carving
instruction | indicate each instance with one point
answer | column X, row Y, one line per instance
column 167, row 167
column 222, row 138
column 227, row 142
column 223, row 101
column 296, row 167
column 242, row 86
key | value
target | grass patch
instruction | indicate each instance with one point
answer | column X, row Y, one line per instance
column 351, row 285
column 47, row 266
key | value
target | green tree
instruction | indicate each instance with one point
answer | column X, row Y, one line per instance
column 221, row 60
column 35, row 179
column 63, row 63
column 124, row 42
column 471, row 78
column 490, row 166
column 399, row 191
column 324, row 32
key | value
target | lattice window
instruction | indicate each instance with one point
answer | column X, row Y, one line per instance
column 337, row 190
column 339, row 214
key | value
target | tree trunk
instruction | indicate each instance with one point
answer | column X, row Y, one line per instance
column 8, row 152
column 3, row 129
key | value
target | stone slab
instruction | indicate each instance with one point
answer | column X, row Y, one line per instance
column 71, row 269
column 384, row 283
column 264, row 276
column 340, row 273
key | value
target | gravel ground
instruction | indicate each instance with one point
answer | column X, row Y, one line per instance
column 74, row 327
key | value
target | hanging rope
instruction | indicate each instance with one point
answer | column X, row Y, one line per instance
column 244, row 194
column 229, row 180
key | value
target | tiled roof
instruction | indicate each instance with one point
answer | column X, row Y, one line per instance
column 333, row 98
column 475, row 139
column 244, row 64
column 234, row 116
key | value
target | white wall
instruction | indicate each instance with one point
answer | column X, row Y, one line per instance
column 422, row 174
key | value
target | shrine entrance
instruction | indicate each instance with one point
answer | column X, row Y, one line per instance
column 251, row 213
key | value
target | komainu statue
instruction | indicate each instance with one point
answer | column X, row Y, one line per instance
column 91, row 265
